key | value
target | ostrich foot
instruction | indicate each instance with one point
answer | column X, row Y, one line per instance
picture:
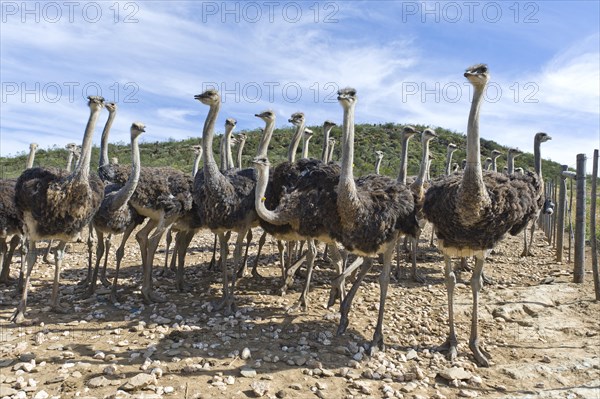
column 450, row 347
column 166, row 272
column 114, row 297
column 59, row 308
column 256, row 274
column 526, row 253
column 151, row 297
column 18, row 317
column 105, row 282
column 84, row 283
column 300, row 305
column 335, row 293
column 49, row 259
column 226, row 304
column 242, row 271
column 486, row 279
column 8, row 280
column 481, row 356
column 376, row 343
column 418, row 277
column 343, row 325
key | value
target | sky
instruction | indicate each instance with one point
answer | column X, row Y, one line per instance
column 405, row 59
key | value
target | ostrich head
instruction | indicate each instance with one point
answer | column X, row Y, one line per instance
column 332, row 141
column 451, row 147
column 230, row 122
column 261, row 162
column 297, row 118
column 515, row 152
column 209, row 97
column 242, row 137
column 379, row 154
column 110, row 106
column 33, row 146
column 408, row 132
column 197, row 149
column 137, row 128
column 428, row 134
column 70, row 147
column 329, row 124
column 308, row 133
column 478, row 75
column 542, row 137
column 347, row 97
column 266, row 116
column 114, row 161
column 496, row 154
column 95, row 102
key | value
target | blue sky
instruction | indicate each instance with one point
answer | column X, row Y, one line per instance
column 405, row 59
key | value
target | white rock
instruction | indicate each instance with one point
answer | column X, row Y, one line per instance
column 246, row 354
column 41, row 395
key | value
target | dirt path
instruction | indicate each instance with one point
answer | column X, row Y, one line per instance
column 543, row 333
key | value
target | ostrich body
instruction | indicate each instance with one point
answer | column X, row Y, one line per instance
column 472, row 211
column 10, row 225
column 378, row 159
column 225, row 201
column 57, row 205
column 116, row 216
column 537, row 159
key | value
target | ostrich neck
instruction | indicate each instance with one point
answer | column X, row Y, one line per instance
column 30, row 159
column 403, row 159
column 510, row 163
column 494, row 165
column 262, row 180
column 211, row 171
column 325, row 151
column 330, row 156
column 263, row 146
column 239, row 153
column 295, row 142
column 423, row 169
column 377, row 165
column 472, row 186
column 125, row 192
column 82, row 169
column 537, row 158
column 69, row 161
column 305, row 147
column 104, row 140
column 196, row 163
column 348, row 202
column 448, row 161
column 229, row 164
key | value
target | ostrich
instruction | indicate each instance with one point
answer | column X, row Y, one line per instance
column 306, row 136
column 519, row 171
column 378, row 159
column 225, row 201
column 495, row 155
column 510, row 159
column 449, row 151
column 105, row 169
column 71, row 148
column 472, row 211
column 331, row 143
column 327, row 126
column 240, row 150
column 116, row 216
column 487, row 165
column 54, row 204
column 537, row 159
column 463, row 164
column 10, row 222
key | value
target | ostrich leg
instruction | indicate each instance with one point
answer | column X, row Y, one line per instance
column 7, row 254
column 99, row 253
column 19, row 314
column 107, row 244
column 242, row 270
column 120, row 254
column 384, row 280
column 152, row 244
column 451, row 342
column 476, row 284
column 311, row 253
column 58, row 255
column 182, row 240
column 261, row 242
column 347, row 302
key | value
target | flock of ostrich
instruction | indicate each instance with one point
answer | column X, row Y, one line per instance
column 308, row 201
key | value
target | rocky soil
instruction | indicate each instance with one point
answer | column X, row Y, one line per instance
column 543, row 333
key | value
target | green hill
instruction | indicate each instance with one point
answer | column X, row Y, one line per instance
column 368, row 138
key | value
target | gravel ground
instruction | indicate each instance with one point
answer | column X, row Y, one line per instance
column 543, row 333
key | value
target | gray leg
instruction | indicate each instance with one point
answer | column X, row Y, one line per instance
column 143, row 240
column 46, row 257
column 58, row 256
column 120, row 254
column 226, row 302
column 212, row 263
column 290, row 273
column 281, row 247
column 337, row 282
column 147, row 287
column 181, row 245
column 526, row 251
column 5, row 261
column 168, row 240
column 19, row 314
column 107, row 244
column 476, row 284
column 451, row 342
column 415, row 273
column 261, row 242
column 384, row 280
column 347, row 302
column 311, row 253
column 99, row 253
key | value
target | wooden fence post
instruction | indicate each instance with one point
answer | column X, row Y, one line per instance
column 593, row 226
column 579, row 265
column 562, row 201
